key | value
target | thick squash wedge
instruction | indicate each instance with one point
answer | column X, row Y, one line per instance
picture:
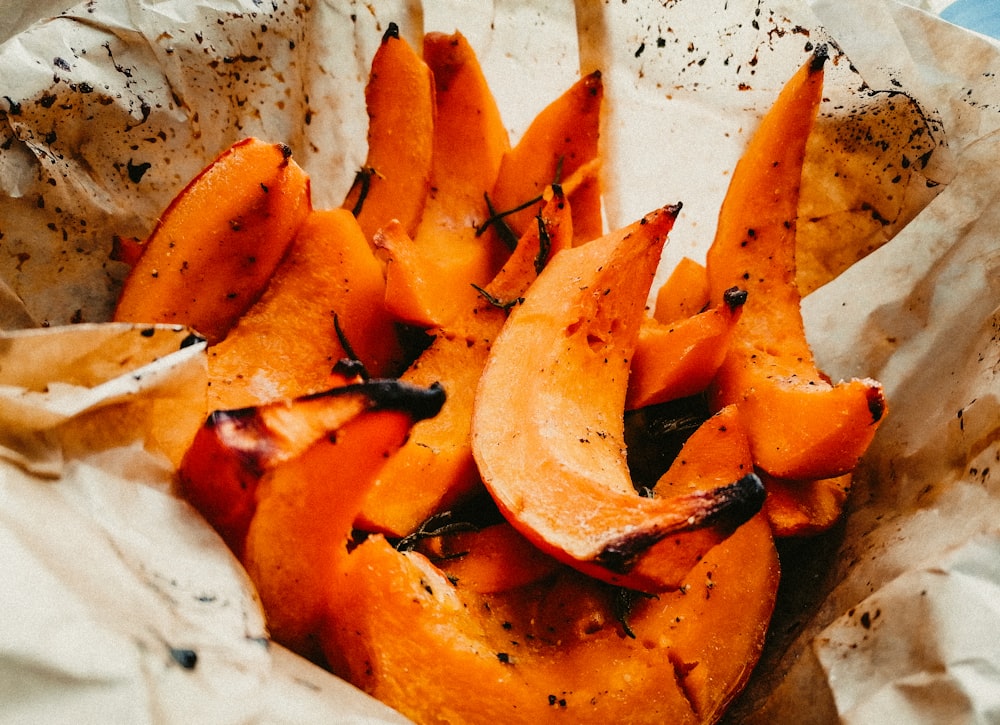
column 218, row 243
column 800, row 425
column 563, row 648
column 547, row 428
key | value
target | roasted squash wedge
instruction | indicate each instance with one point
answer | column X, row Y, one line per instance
column 395, row 180
column 447, row 256
column 435, row 468
column 680, row 359
column 800, row 425
column 562, row 138
column 547, row 428
column 219, row 241
column 684, row 294
column 564, row 647
column 324, row 303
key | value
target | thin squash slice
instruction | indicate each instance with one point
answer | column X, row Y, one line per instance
column 801, row 426
column 395, row 180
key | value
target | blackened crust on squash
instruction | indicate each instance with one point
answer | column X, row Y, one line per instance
column 876, row 403
column 735, row 297
column 726, row 508
column 819, row 57
column 390, row 32
column 393, row 394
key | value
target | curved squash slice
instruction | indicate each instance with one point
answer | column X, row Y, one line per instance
column 435, row 468
column 217, row 244
column 680, row 359
column 800, row 425
column 562, row 138
column 547, row 429
column 328, row 290
column 445, row 257
column 566, row 647
column 396, row 177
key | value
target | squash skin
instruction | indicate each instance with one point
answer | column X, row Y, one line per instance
column 552, row 456
column 800, row 425
column 219, row 241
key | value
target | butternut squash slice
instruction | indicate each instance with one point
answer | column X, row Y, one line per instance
column 435, row 468
column 327, row 291
column 547, row 427
column 395, row 180
column 562, row 138
column 446, row 256
column 219, row 241
column 800, row 425
column 680, row 359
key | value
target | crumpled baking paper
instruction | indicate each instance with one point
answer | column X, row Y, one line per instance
column 108, row 107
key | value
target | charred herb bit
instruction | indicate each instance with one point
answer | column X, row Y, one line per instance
column 477, row 513
column 496, row 301
column 655, row 434
column 440, row 524
column 496, row 219
column 622, row 602
column 362, row 179
column 544, row 245
column 344, row 342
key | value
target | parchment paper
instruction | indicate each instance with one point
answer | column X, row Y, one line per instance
column 110, row 107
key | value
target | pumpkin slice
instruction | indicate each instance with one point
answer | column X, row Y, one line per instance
column 805, row 508
column 219, row 241
column 684, row 294
column 445, row 257
column 395, row 180
column 562, row 647
column 800, row 425
column 435, row 468
column 547, row 428
column 327, row 291
column 561, row 138
column 221, row 470
column 680, row 359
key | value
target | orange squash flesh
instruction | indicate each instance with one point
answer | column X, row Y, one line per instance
column 396, row 178
column 329, row 285
column 306, row 503
column 493, row 559
column 547, row 426
column 680, row 359
column 800, row 425
column 220, row 240
column 805, row 508
column 221, row 469
column 562, row 138
column 435, row 468
column 555, row 649
column 684, row 294
column 447, row 256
